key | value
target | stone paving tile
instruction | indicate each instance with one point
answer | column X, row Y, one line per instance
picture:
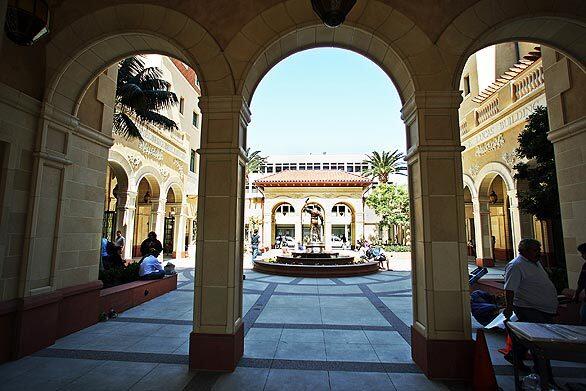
column 415, row 382
column 366, row 316
column 293, row 301
column 278, row 279
column 291, row 315
column 262, row 334
column 183, row 349
column 384, row 338
column 346, row 302
column 400, row 353
column 157, row 344
column 352, row 381
column 297, row 288
column 242, row 379
column 337, row 289
column 111, row 375
column 297, row 335
column 297, row 380
column 309, row 281
column 165, row 377
column 112, row 342
column 324, row 281
column 256, row 285
column 301, row 351
column 350, row 352
column 47, row 373
column 260, row 349
column 345, row 336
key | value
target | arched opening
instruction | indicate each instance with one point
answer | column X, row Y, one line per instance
column 343, row 226
column 284, row 220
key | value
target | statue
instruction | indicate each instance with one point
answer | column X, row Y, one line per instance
column 316, row 223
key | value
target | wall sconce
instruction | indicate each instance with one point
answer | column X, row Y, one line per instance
column 27, row 21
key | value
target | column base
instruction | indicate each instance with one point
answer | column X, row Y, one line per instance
column 484, row 262
column 443, row 359
column 216, row 352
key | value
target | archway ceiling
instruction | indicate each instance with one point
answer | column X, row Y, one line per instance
column 225, row 18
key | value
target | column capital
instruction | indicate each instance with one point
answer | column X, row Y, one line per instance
column 430, row 100
column 222, row 104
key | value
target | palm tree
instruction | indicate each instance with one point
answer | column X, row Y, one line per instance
column 140, row 95
column 383, row 164
column 255, row 161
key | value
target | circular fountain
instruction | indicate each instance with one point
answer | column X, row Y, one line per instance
column 316, row 262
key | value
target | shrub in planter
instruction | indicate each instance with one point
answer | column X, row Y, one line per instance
column 119, row 275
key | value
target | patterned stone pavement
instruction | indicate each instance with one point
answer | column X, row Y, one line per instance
column 300, row 333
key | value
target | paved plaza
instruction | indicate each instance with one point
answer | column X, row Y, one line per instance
column 301, row 334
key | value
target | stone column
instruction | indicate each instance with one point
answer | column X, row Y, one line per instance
column 298, row 232
column 125, row 212
column 565, row 93
column 441, row 331
column 328, row 233
column 158, row 217
column 482, row 230
column 179, row 240
column 521, row 223
column 217, row 342
column 267, row 228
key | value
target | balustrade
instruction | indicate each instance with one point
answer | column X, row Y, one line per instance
column 529, row 81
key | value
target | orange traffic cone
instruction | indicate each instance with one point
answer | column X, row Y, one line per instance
column 483, row 378
column 508, row 345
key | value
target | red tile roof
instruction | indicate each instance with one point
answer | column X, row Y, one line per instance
column 312, row 178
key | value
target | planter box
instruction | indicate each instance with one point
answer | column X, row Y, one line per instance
column 125, row 296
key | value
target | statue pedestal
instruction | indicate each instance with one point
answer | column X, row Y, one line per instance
column 315, row 247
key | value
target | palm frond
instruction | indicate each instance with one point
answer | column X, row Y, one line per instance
column 159, row 99
column 157, row 119
column 129, row 68
column 125, row 126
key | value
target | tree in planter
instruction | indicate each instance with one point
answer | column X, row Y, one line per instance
column 140, row 94
column 384, row 164
column 391, row 203
column 537, row 170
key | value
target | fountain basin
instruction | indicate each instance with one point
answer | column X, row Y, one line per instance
column 304, row 269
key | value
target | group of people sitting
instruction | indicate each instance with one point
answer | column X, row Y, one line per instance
column 150, row 267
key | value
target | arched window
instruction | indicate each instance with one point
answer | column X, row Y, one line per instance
column 341, row 209
column 284, row 209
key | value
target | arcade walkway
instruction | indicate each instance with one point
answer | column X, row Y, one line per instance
column 313, row 334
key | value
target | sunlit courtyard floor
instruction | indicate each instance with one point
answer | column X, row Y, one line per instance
column 301, row 334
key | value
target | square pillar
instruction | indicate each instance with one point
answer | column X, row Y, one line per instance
column 125, row 212
column 217, row 341
column 441, row 331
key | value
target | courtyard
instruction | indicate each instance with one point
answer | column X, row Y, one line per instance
column 300, row 334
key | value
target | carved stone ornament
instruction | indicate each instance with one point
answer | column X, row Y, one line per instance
column 474, row 169
column 134, row 161
column 150, row 151
column 164, row 172
column 510, row 158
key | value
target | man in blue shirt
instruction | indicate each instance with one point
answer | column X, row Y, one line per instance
column 150, row 267
column 104, row 252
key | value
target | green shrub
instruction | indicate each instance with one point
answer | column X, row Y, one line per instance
column 120, row 275
column 399, row 248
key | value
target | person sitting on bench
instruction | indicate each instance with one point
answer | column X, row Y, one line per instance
column 150, row 267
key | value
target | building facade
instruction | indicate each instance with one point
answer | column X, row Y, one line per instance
column 284, row 182
column 490, row 122
column 151, row 183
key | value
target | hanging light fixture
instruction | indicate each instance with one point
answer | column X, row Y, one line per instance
column 493, row 197
column 332, row 12
column 26, row 21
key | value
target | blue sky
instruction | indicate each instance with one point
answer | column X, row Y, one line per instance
column 326, row 100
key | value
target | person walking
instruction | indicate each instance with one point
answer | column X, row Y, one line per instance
column 529, row 291
column 254, row 242
column 120, row 242
column 582, row 285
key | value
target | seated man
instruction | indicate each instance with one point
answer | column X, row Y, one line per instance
column 150, row 267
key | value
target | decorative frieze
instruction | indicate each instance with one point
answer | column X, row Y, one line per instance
column 510, row 158
column 150, row 151
column 473, row 170
column 491, row 145
column 134, row 161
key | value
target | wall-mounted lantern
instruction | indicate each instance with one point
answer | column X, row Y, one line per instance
column 27, row 21
column 332, row 12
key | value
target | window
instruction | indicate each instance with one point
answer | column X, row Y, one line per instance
column 326, row 166
column 285, row 208
column 466, row 85
column 340, row 209
column 181, row 105
column 192, row 161
column 316, row 166
column 350, row 168
column 270, row 168
column 302, row 166
column 340, row 166
column 195, row 119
